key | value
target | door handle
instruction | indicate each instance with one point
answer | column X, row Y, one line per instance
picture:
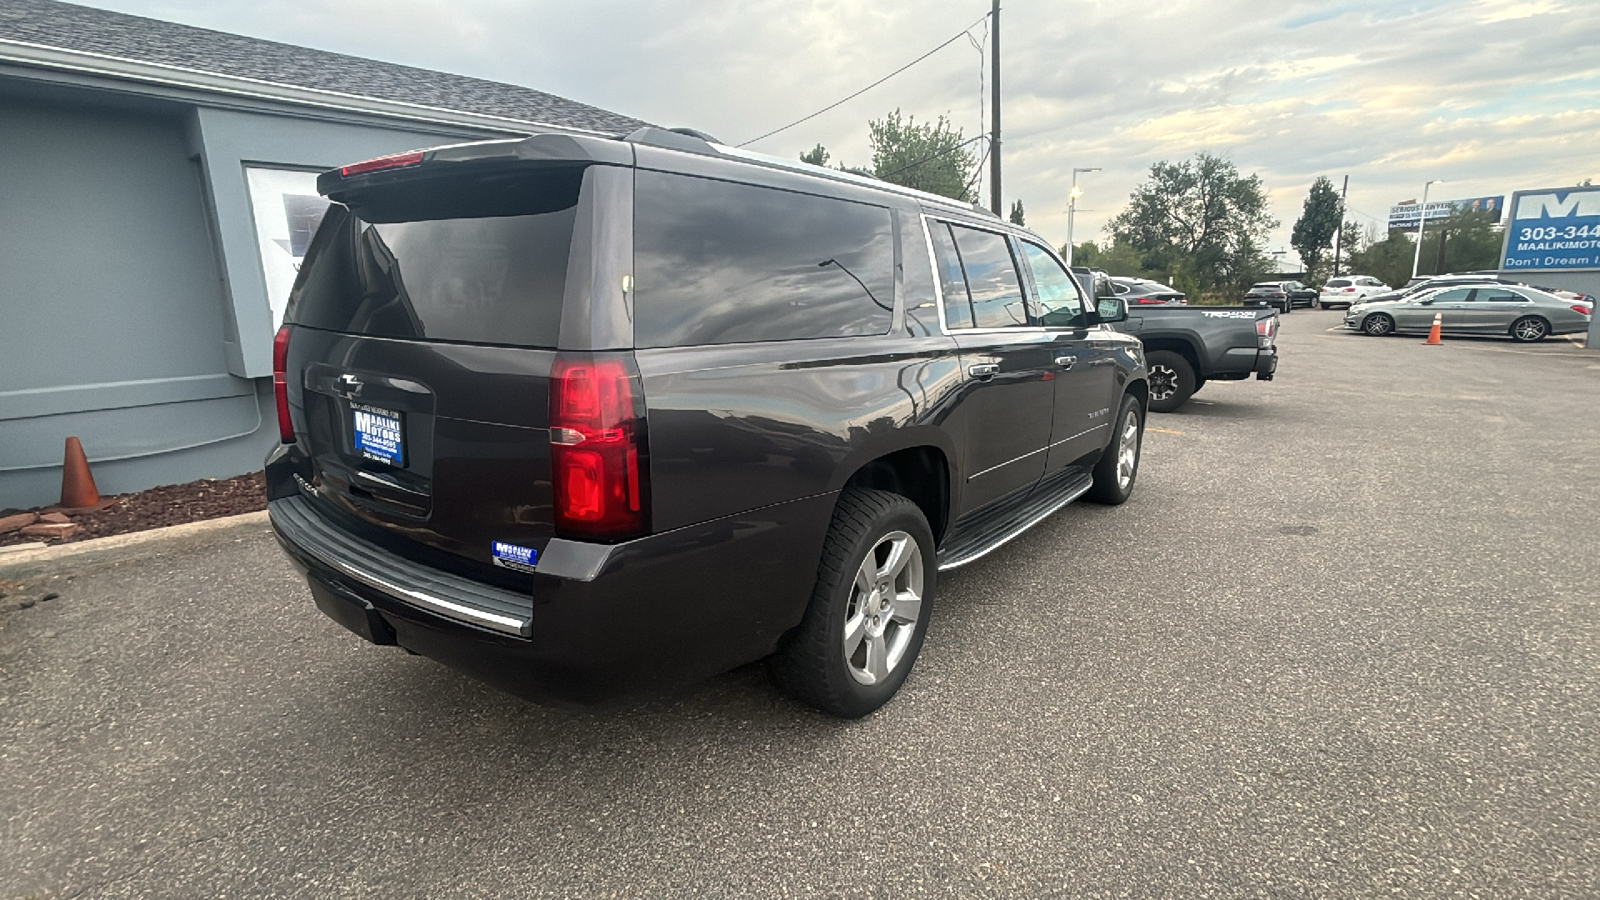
column 1066, row 362
column 983, row 371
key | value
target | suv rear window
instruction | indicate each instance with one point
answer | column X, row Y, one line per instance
column 719, row 263
column 479, row 261
column 1338, row 282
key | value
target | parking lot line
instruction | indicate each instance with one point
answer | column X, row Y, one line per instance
column 1162, row 430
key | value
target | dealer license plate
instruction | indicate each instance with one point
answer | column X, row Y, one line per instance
column 378, row 435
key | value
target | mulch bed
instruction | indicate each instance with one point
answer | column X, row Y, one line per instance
column 172, row 504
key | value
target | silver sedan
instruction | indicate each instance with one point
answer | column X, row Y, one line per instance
column 1523, row 313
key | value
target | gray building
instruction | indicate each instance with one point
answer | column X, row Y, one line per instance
column 155, row 195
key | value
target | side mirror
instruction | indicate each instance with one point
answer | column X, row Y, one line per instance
column 1112, row 309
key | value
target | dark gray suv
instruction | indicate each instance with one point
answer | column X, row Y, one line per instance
column 584, row 417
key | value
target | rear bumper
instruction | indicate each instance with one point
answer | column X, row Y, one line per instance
column 1242, row 362
column 639, row 617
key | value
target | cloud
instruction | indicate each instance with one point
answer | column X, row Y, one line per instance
column 1491, row 96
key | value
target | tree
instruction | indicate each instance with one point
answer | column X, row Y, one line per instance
column 1319, row 221
column 1201, row 218
column 817, row 156
column 1116, row 258
column 1352, row 239
column 1388, row 260
column 1465, row 242
column 927, row 157
column 1017, row 217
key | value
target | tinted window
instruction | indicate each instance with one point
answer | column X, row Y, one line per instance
column 1499, row 295
column 482, row 261
column 1459, row 295
column 719, row 263
column 957, row 304
column 991, row 278
column 1059, row 303
column 922, row 312
column 1337, row 282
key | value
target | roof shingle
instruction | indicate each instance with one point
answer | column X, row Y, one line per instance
column 85, row 29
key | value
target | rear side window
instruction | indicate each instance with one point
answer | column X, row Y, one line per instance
column 991, row 278
column 719, row 263
column 952, row 283
column 479, row 261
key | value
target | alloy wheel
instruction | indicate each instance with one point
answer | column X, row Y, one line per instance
column 1163, row 382
column 885, row 604
column 1128, row 450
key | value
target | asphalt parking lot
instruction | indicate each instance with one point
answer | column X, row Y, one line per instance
column 1341, row 643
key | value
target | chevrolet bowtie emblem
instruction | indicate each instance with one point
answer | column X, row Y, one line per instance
column 347, row 386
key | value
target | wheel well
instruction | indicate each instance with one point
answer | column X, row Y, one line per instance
column 1513, row 325
column 1139, row 389
column 920, row 474
column 1181, row 348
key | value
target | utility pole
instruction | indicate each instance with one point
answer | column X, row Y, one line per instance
column 994, row 103
column 1339, row 234
column 1422, row 221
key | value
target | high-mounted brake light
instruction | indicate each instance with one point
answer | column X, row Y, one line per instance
column 280, row 383
column 392, row 161
column 596, row 441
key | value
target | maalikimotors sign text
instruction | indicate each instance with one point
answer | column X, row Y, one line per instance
column 1554, row 229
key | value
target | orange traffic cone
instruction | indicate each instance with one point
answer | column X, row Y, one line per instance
column 77, row 485
column 1433, row 333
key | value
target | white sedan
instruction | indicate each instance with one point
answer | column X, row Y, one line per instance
column 1347, row 289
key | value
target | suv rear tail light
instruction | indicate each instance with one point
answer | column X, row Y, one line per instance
column 392, row 161
column 598, row 456
column 280, row 384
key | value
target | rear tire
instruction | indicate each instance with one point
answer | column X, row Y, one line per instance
column 1172, row 380
column 1529, row 329
column 1378, row 324
column 856, row 644
column 1114, row 474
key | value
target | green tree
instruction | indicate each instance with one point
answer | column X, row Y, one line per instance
column 817, row 156
column 1388, row 260
column 1467, row 241
column 1116, row 258
column 927, row 157
column 1352, row 240
column 1319, row 221
column 1200, row 218
column 1017, row 216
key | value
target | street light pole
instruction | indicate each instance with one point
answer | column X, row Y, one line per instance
column 1072, row 208
column 1422, row 219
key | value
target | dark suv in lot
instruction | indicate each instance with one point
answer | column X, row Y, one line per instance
column 583, row 416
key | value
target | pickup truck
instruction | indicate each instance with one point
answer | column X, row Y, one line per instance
column 1186, row 346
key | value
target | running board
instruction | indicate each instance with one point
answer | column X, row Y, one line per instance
column 987, row 532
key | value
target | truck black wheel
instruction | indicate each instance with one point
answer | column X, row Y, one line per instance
column 1172, row 380
column 869, row 610
column 1119, row 464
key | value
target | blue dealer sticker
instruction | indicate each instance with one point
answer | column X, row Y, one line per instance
column 511, row 556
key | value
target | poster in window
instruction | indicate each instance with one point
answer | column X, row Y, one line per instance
column 287, row 210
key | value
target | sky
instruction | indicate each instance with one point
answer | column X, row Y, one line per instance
column 1487, row 96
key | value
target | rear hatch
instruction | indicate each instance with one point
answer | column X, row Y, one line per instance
column 423, row 331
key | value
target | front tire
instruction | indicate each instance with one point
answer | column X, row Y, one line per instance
column 1172, row 380
column 1529, row 329
column 869, row 609
column 1378, row 324
column 1119, row 463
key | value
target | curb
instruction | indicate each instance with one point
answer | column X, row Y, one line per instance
column 31, row 562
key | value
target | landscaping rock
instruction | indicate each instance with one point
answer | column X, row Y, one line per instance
column 50, row 530
column 55, row 517
column 17, row 522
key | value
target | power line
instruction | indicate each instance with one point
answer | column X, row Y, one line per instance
column 869, row 87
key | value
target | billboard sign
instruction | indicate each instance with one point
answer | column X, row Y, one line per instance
column 1553, row 229
column 1404, row 216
